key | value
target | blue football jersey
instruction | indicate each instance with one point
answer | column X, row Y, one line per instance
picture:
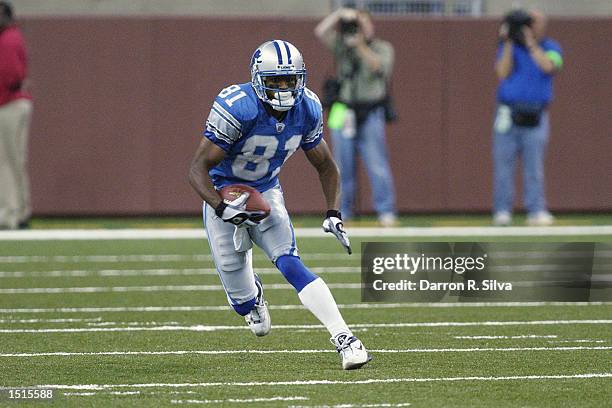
column 256, row 143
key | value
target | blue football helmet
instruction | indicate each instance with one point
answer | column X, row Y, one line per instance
column 274, row 59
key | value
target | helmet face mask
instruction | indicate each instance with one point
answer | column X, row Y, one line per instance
column 278, row 74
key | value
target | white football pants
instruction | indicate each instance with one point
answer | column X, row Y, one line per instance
column 235, row 265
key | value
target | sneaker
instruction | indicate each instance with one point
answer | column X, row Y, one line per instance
column 352, row 352
column 258, row 319
column 540, row 219
column 502, row 219
column 388, row 220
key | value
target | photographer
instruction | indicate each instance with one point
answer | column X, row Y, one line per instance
column 357, row 116
column 15, row 116
column 526, row 63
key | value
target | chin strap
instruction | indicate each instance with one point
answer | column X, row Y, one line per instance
column 283, row 102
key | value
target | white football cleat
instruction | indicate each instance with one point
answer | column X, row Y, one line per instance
column 352, row 352
column 388, row 220
column 502, row 219
column 540, row 219
column 258, row 319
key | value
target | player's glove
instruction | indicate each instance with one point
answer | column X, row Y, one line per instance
column 235, row 212
column 333, row 223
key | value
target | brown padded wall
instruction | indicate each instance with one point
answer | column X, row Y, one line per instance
column 120, row 104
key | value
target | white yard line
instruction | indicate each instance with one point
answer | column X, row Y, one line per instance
column 171, row 392
column 155, row 288
column 225, row 308
column 381, row 405
column 526, row 336
column 80, row 273
column 199, row 233
column 23, row 321
column 203, row 328
column 140, row 323
column 325, row 382
column 297, row 351
column 158, row 272
column 79, row 394
column 89, row 394
column 238, row 401
column 124, row 393
column 156, row 258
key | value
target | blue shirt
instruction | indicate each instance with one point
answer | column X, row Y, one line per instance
column 256, row 143
column 527, row 83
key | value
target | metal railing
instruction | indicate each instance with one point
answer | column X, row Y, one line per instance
column 474, row 8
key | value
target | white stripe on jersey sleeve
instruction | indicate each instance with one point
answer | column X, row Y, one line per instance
column 316, row 132
column 227, row 115
column 218, row 134
column 223, row 127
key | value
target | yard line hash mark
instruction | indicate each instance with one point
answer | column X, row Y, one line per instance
column 215, row 352
column 203, row 328
column 381, row 405
column 155, row 288
column 199, row 233
column 313, row 256
column 156, row 272
column 205, row 308
column 525, row 336
column 236, row 400
column 326, row 382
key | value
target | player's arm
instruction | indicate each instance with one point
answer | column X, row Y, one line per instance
column 206, row 157
column 322, row 160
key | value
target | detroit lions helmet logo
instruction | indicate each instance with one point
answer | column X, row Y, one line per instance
column 255, row 58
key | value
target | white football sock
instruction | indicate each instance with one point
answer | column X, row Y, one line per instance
column 318, row 299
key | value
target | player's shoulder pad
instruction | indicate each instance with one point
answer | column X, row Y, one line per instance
column 313, row 113
column 312, row 104
column 232, row 113
column 237, row 101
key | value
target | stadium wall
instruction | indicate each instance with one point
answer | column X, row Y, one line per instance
column 120, row 103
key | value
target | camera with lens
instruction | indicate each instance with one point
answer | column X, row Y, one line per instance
column 516, row 20
column 349, row 27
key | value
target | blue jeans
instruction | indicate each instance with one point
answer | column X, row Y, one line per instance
column 529, row 143
column 369, row 142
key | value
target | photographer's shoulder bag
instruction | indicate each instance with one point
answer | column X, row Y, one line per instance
column 331, row 90
column 527, row 114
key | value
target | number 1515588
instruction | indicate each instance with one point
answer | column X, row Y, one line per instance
column 27, row 393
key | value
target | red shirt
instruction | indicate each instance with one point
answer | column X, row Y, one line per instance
column 13, row 65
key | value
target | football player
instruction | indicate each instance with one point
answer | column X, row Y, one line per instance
column 252, row 129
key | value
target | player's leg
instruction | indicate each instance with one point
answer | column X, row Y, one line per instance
column 244, row 291
column 505, row 152
column 373, row 150
column 9, row 166
column 276, row 237
column 535, row 141
column 23, row 182
column 344, row 154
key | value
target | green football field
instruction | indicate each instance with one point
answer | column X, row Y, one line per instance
column 146, row 323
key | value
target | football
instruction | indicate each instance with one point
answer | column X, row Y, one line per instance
column 256, row 201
